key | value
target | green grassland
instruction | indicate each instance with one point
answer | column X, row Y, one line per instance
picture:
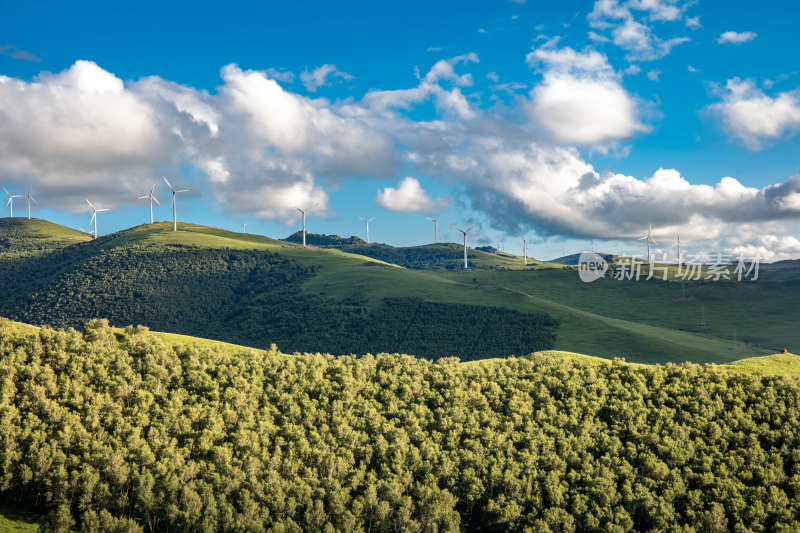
column 641, row 321
column 14, row 519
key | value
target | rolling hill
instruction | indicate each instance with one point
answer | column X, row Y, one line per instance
column 109, row 429
column 252, row 290
column 441, row 256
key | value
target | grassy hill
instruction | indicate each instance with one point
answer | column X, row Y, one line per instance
column 342, row 302
column 252, row 290
column 20, row 237
column 127, row 430
column 441, row 256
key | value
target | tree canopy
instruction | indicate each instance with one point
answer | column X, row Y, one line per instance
column 117, row 430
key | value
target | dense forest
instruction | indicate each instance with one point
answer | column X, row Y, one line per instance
column 442, row 256
column 250, row 297
column 118, row 431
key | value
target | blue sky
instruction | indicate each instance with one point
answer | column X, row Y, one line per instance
column 567, row 121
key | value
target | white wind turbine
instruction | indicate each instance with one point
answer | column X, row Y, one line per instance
column 244, row 227
column 30, row 198
column 303, row 212
column 174, row 211
column 152, row 199
column 435, row 228
column 649, row 240
column 678, row 244
column 10, row 201
column 367, row 223
column 524, row 248
column 464, row 232
column 94, row 216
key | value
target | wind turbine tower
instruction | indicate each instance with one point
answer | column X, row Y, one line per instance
column 94, row 216
column 244, row 227
column 435, row 228
column 152, row 199
column 367, row 223
column 10, row 201
column 678, row 244
column 524, row 249
column 465, row 232
column 303, row 212
column 29, row 198
column 649, row 239
column 174, row 209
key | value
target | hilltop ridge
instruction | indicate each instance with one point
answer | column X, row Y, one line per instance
column 253, row 290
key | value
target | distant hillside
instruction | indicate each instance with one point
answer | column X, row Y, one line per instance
column 20, row 237
column 442, row 256
column 247, row 296
column 253, row 290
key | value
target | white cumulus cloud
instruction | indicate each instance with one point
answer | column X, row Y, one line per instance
column 750, row 115
column 408, row 197
column 322, row 75
column 733, row 37
column 629, row 23
column 581, row 99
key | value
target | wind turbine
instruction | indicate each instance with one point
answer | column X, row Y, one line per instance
column 10, row 201
column 174, row 213
column 678, row 244
column 303, row 212
column 435, row 228
column 152, row 199
column 29, row 198
column 649, row 240
column 464, row 232
column 94, row 216
column 244, row 227
column 524, row 248
column 367, row 223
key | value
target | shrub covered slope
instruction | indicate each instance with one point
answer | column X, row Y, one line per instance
column 106, row 430
column 246, row 296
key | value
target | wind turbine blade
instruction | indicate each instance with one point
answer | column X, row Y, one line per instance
column 653, row 240
column 459, row 229
column 91, row 220
column 8, row 193
column 153, row 188
column 9, row 200
column 34, row 200
column 103, row 210
column 370, row 220
column 183, row 190
column 156, row 201
column 142, row 197
column 472, row 228
column 168, row 185
column 642, row 238
column 359, row 218
column 90, row 203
